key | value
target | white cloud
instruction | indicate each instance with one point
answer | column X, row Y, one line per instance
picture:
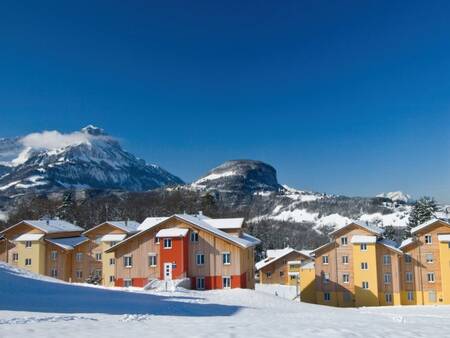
column 54, row 140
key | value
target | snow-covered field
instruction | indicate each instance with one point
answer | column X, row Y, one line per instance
column 31, row 306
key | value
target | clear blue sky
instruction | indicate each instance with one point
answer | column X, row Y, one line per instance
column 349, row 97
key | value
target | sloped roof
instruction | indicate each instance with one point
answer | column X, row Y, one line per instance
column 371, row 228
column 225, row 223
column 28, row 237
column 357, row 239
column 274, row 255
column 49, row 226
column 68, row 243
column 125, row 226
column 406, row 242
column 245, row 240
column 427, row 224
column 113, row 237
column 393, row 245
column 313, row 252
column 150, row 222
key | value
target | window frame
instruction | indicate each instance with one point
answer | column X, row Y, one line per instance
column 387, row 260
column 428, row 237
column 428, row 255
column 431, row 280
column 54, row 273
column 194, row 237
column 78, row 274
column 228, row 278
column 363, row 246
column 97, row 256
column 326, row 297
column 408, row 258
column 325, row 260
column 167, row 241
column 410, row 296
column 112, row 261
column 387, row 281
column 407, row 279
column 53, row 255
column 364, row 266
column 345, row 261
column 127, row 282
column 15, row 257
column 28, row 244
column 201, row 256
column 344, row 241
column 365, row 285
column 152, row 260
column 197, row 282
column 226, row 261
column 346, row 278
column 28, row 262
column 128, row 258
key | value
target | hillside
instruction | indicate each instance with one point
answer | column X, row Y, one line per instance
column 35, row 306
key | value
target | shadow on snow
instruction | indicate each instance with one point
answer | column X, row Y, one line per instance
column 18, row 293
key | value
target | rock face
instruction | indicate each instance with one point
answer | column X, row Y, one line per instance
column 243, row 176
column 89, row 158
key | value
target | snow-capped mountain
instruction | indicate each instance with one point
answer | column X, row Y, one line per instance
column 88, row 158
column 396, row 196
column 253, row 185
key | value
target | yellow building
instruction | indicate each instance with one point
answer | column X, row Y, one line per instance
column 357, row 268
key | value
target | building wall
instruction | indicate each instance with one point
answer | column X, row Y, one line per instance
column 37, row 255
column 393, row 269
column 210, row 245
column 365, row 297
column 279, row 270
column 307, row 280
column 62, row 263
column 86, row 265
column 444, row 256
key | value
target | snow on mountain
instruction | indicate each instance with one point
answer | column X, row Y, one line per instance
column 396, row 196
column 88, row 158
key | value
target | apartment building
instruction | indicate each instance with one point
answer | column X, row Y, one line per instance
column 42, row 246
column 289, row 267
column 357, row 268
column 425, row 267
column 212, row 253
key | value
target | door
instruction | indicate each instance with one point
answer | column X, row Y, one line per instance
column 167, row 271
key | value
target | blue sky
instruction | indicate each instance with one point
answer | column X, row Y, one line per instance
column 349, row 97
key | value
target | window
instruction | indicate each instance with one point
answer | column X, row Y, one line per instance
column 268, row 274
column 152, row 260
column 409, row 277
column 98, row 256
column 112, row 261
column 344, row 241
column 54, row 273
column 326, row 296
column 410, row 296
column 226, row 282
column 387, row 278
column 430, row 277
column 53, row 255
column 387, row 259
column 364, row 266
column 79, row 274
column 79, row 256
column 27, row 261
column 200, row 283
column 15, row 257
column 347, row 296
column 326, row 278
column 428, row 239
column 128, row 261
column 344, row 259
column 226, row 258
column 345, row 278
column 363, row 246
column 325, row 259
column 194, row 236
column 27, row 244
column 127, row 282
column 293, row 277
column 429, row 258
column 432, row 296
column 281, row 273
column 200, row 259
column 388, row 298
column 112, row 279
column 365, row 285
column 156, row 240
column 167, row 243
column 408, row 258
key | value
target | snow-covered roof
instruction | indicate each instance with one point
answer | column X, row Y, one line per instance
column 406, row 242
column 444, row 238
column 371, row 228
column 126, row 226
column 294, row 262
column 172, row 232
column 313, row 252
column 113, row 237
column 68, row 243
column 274, row 255
column 150, row 222
column 427, row 224
column 225, row 223
column 293, row 273
column 308, row 265
column 49, row 226
column 357, row 239
column 244, row 240
column 393, row 245
column 29, row 237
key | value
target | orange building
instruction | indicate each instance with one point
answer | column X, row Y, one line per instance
column 211, row 253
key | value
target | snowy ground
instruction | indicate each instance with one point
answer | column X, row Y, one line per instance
column 31, row 307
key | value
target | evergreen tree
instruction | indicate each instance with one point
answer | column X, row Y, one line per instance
column 423, row 210
column 389, row 232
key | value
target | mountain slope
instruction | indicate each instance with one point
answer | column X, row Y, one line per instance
column 89, row 158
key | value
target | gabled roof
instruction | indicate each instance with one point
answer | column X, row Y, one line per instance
column 67, row 243
column 371, row 228
column 393, row 245
column 49, row 226
column 427, row 224
column 126, row 226
column 313, row 253
column 245, row 240
column 274, row 255
column 407, row 242
column 150, row 222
